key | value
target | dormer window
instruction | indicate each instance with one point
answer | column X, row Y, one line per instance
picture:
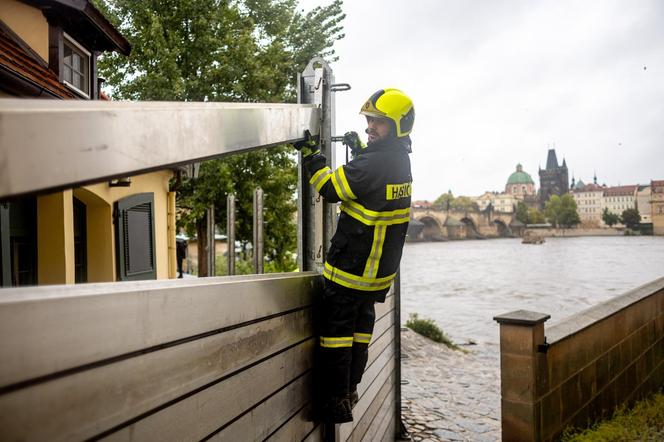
column 76, row 65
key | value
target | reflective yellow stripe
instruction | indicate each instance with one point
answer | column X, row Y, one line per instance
column 356, row 282
column 362, row 338
column 320, row 178
column 372, row 217
column 341, row 185
column 336, row 342
column 371, row 268
column 344, row 182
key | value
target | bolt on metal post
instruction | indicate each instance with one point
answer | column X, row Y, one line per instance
column 230, row 232
column 258, row 230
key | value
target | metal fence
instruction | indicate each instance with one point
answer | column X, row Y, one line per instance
column 213, row 358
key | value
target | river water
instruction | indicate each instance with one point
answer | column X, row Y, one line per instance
column 462, row 285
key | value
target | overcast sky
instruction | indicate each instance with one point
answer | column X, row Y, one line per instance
column 496, row 82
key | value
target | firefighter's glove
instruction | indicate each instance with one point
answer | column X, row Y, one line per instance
column 308, row 146
column 353, row 142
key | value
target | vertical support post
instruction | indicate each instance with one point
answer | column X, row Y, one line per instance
column 522, row 373
column 230, row 232
column 258, row 230
column 5, row 267
column 316, row 220
column 400, row 430
column 211, row 246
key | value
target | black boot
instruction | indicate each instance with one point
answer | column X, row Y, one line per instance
column 337, row 411
column 354, row 398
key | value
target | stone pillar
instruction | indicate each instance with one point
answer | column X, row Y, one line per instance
column 522, row 373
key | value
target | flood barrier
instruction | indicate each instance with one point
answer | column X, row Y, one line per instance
column 221, row 358
column 581, row 369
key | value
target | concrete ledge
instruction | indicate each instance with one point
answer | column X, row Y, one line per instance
column 586, row 318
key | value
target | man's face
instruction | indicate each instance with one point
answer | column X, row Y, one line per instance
column 378, row 128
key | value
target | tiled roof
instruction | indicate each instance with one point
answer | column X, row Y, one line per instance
column 16, row 60
column 621, row 190
column 658, row 183
column 591, row 187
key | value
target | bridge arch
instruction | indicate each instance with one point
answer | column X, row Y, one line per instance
column 503, row 229
column 471, row 228
column 432, row 229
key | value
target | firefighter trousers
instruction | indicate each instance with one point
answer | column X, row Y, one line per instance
column 345, row 322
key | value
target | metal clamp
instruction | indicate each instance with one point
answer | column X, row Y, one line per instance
column 340, row 87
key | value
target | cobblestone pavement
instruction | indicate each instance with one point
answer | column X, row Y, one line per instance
column 450, row 395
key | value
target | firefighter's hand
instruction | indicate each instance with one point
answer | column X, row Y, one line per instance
column 352, row 140
column 308, row 146
column 308, row 151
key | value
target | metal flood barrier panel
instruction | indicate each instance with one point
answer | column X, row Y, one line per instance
column 224, row 358
column 216, row 358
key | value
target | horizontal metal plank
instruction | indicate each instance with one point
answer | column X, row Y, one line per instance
column 47, row 329
column 298, row 428
column 201, row 414
column 374, row 413
column 316, row 435
column 261, row 421
column 386, row 430
column 50, row 144
column 382, row 370
column 88, row 403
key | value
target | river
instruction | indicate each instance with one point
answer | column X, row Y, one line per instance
column 462, row 285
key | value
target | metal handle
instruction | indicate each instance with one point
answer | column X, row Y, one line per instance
column 340, row 87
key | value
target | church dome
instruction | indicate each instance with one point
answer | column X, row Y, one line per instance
column 520, row 177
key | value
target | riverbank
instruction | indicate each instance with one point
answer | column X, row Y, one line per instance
column 450, row 395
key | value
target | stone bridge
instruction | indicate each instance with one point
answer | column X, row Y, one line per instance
column 439, row 225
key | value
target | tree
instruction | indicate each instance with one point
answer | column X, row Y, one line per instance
column 609, row 218
column 214, row 50
column 464, row 203
column 448, row 201
column 630, row 218
column 535, row 217
column 444, row 201
column 522, row 213
column 561, row 211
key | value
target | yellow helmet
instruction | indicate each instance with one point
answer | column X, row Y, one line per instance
column 393, row 105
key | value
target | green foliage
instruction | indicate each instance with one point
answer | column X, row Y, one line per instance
column 561, row 211
column 643, row 422
column 630, row 218
column 609, row 218
column 214, row 50
column 429, row 329
column 448, row 201
column 522, row 213
column 535, row 216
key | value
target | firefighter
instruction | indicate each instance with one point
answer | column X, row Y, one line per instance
column 374, row 189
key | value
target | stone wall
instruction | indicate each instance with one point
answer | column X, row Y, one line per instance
column 581, row 369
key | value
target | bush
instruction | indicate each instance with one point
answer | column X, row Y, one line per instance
column 643, row 422
column 429, row 329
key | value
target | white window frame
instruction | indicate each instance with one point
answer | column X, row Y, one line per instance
column 87, row 53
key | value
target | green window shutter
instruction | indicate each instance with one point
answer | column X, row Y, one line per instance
column 134, row 237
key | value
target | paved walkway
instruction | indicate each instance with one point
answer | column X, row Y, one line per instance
column 450, row 395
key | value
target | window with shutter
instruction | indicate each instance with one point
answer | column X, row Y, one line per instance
column 134, row 227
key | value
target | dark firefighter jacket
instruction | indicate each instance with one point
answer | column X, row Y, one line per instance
column 374, row 189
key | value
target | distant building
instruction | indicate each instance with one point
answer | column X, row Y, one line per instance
column 589, row 202
column 643, row 197
column 554, row 180
column 617, row 199
column 657, row 206
column 520, row 184
column 500, row 202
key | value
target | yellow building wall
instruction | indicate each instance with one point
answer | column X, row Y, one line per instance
column 55, row 238
column 156, row 183
column 28, row 23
